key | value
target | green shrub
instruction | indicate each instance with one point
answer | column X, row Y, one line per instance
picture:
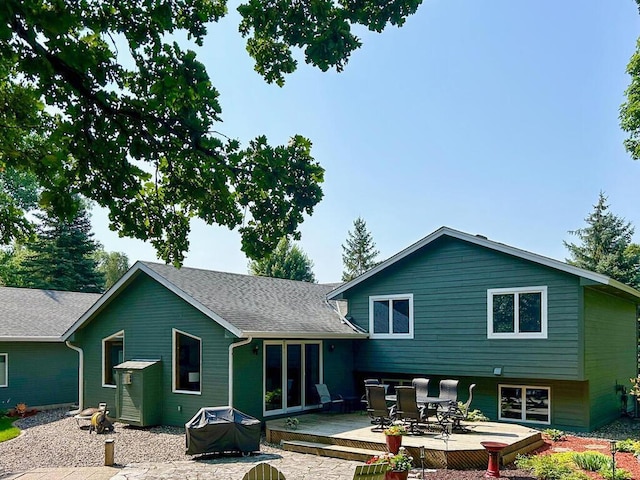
column 621, row 473
column 475, row 415
column 555, row 434
column 591, row 461
column 557, row 466
column 628, row 445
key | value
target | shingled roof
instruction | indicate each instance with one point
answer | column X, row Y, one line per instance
column 40, row 315
column 246, row 305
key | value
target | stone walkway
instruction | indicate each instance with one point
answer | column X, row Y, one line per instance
column 294, row 466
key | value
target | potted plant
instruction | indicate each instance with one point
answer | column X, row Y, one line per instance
column 393, row 437
column 398, row 465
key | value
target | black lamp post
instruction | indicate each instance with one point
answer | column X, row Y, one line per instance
column 614, row 448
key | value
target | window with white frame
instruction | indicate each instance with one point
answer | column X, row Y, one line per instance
column 520, row 403
column 187, row 362
column 112, row 355
column 517, row 312
column 391, row 316
column 4, row 370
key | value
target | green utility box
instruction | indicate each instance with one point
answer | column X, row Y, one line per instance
column 139, row 392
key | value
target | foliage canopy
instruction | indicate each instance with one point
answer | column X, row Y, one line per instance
column 286, row 261
column 141, row 139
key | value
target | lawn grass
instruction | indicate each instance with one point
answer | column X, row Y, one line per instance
column 7, row 430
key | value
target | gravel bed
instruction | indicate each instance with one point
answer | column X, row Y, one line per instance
column 53, row 439
column 620, row 429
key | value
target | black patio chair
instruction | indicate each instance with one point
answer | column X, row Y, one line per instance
column 377, row 406
column 460, row 413
column 407, row 409
column 448, row 391
column 326, row 399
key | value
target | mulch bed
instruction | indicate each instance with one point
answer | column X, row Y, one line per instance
column 579, row 444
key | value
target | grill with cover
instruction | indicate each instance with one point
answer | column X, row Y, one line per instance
column 222, row 429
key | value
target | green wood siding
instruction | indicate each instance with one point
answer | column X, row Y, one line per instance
column 610, row 352
column 40, row 374
column 449, row 282
column 147, row 312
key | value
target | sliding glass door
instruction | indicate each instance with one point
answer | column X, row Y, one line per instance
column 291, row 371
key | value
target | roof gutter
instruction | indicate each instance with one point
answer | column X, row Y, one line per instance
column 80, row 375
column 232, row 347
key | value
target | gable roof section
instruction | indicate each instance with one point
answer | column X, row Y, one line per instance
column 245, row 305
column 30, row 315
column 597, row 278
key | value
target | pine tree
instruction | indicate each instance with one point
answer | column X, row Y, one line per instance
column 287, row 261
column 62, row 257
column 359, row 255
column 606, row 245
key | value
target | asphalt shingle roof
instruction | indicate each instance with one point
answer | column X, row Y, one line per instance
column 259, row 304
column 32, row 313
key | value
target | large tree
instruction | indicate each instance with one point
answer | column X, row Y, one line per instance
column 359, row 254
column 142, row 139
column 61, row 257
column 112, row 265
column 606, row 245
column 288, row 260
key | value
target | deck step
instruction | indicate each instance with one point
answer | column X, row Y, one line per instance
column 329, row 450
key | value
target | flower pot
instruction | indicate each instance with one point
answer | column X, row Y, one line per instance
column 393, row 475
column 393, row 443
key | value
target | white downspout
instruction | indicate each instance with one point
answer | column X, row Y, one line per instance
column 231, row 348
column 80, row 375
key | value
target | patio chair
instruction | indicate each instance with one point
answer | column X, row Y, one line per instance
column 407, row 409
column 368, row 381
column 449, row 390
column 422, row 387
column 263, row 471
column 326, row 398
column 461, row 413
column 377, row 407
column 370, row 472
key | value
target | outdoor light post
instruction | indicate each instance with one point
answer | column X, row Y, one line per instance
column 614, row 448
column 422, row 460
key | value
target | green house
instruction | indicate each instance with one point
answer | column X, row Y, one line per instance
column 546, row 343
column 258, row 344
column 36, row 367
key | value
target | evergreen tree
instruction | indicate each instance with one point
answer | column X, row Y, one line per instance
column 287, row 261
column 606, row 245
column 62, row 257
column 359, row 254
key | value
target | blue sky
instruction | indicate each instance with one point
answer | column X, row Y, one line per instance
column 498, row 118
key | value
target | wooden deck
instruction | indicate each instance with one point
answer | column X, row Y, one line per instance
column 349, row 436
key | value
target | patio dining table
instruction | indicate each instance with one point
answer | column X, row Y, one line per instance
column 438, row 403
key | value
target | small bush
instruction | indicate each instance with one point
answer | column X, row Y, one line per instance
column 555, row 434
column 621, row 473
column 557, row 466
column 591, row 461
column 629, row 445
column 476, row 415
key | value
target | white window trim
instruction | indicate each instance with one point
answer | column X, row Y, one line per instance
column 406, row 296
column 283, row 344
column 6, row 370
column 516, row 291
column 116, row 335
column 523, row 417
column 174, row 332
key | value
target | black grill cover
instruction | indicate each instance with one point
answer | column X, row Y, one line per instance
column 222, row 429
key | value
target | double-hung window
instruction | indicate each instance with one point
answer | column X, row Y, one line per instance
column 4, row 370
column 391, row 316
column 517, row 312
